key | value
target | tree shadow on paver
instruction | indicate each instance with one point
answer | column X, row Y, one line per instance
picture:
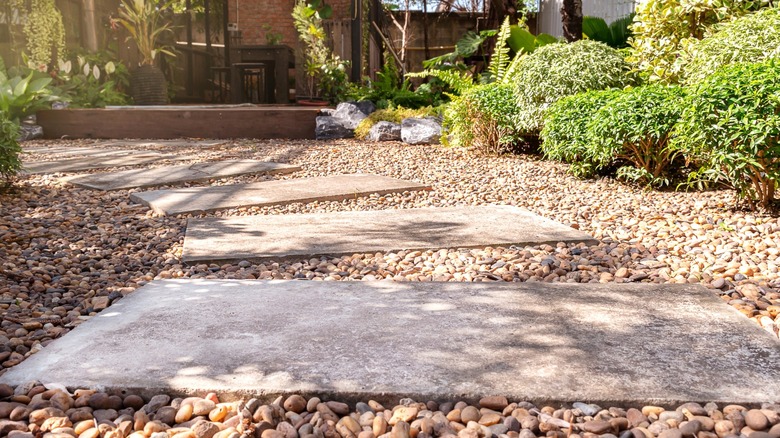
column 546, row 343
column 350, row 234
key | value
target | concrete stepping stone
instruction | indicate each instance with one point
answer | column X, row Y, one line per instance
column 168, row 143
column 158, row 176
column 327, row 188
column 97, row 162
column 304, row 235
column 610, row 344
column 65, row 151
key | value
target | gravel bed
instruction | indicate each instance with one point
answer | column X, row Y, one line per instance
column 34, row 410
column 67, row 253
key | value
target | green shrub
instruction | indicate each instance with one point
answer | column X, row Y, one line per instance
column 93, row 80
column 663, row 27
column 9, row 147
column 751, row 38
column 635, row 125
column 555, row 71
column 484, row 116
column 565, row 135
column 23, row 96
column 731, row 125
column 394, row 115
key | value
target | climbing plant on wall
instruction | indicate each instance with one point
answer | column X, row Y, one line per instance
column 44, row 32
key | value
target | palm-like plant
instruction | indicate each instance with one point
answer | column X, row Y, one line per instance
column 144, row 20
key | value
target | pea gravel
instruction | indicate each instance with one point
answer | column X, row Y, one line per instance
column 67, row 253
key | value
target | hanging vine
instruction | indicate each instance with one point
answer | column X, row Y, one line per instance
column 45, row 34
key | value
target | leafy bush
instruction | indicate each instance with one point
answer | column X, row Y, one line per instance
column 483, row 117
column 635, row 125
column 663, row 27
column 509, row 38
column 731, row 125
column 9, row 147
column 565, row 136
column 394, row 115
column 93, row 80
column 20, row 97
column 751, row 38
column 558, row 70
column 386, row 93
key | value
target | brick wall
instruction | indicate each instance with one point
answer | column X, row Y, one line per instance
column 253, row 15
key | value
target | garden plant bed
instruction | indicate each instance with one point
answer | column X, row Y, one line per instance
column 69, row 252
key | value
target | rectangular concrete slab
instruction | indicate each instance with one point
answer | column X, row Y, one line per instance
column 624, row 344
column 157, row 176
column 96, row 162
column 326, row 188
column 65, row 151
column 168, row 143
column 303, row 235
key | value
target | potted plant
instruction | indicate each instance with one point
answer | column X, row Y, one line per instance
column 326, row 75
column 144, row 20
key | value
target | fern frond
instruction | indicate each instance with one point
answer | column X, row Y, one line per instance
column 500, row 59
column 458, row 81
column 512, row 68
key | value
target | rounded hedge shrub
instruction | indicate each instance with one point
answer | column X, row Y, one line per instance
column 751, row 38
column 635, row 126
column 662, row 28
column 731, row 125
column 555, row 71
column 565, row 135
column 9, row 147
column 484, row 117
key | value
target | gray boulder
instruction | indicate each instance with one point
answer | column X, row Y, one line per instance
column 30, row 132
column 416, row 130
column 328, row 127
column 351, row 113
column 385, row 131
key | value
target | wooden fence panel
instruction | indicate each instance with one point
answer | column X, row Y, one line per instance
column 549, row 18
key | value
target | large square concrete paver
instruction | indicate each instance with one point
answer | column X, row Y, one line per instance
column 326, row 188
column 66, row 151
column 544, row 342
column 95, row 162
column 167, row 143
column 303, row 235
column 157, row 176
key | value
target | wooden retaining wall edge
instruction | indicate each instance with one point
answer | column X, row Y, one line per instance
column 167, row 123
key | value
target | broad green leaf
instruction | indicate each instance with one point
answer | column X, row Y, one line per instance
column 521, row 40
column 21, row 87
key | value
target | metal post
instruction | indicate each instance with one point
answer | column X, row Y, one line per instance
column 357, row 37
column 90, row 37
column 190, row 54
column 225, row 33
column 207, row 24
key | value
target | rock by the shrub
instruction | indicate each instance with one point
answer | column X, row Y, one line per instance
column 385, row 131
column 366, row 106
column 416, row 130
column 351, row 113
column 30, row 132
column 328, row 127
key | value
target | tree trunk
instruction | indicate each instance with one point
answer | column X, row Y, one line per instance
column 571, row 16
